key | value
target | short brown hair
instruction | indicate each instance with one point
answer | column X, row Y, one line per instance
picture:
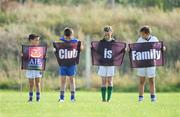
column 108, row 29
column 145, row 29
column 68, row 31
column 32, row 36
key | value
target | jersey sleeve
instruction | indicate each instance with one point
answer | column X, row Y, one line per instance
column 155, row 39
column 139, row 40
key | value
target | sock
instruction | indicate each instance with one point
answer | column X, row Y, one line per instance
column 153, row 97
column 103, row 92
column 141, row 98
column 72, row 95
column 109, row 91
column 37, row 95
column 62, row 95
column 73, row 89
column 30, row 95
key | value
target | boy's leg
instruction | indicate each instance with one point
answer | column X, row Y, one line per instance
column 151, row 73
column 152, row 88
column 141, row 87
column 72, row 87
column 103, row 89
column 37, row 83
column 71, row 72
column 63, row 87
column 110, row 88
column 31, row 85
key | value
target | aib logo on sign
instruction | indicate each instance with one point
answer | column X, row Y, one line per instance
column 107, row 53
column 36, row 57
column 36, row 52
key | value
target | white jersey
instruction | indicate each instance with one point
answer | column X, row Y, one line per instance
column 150, row 39
column 149, row 72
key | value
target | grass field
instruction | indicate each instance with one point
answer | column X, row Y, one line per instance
column 88, row 104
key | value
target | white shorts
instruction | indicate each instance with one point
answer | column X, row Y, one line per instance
column 149, row 72
column 31, row 74
column 106, row 71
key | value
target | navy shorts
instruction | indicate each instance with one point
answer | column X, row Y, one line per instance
column 68, row 70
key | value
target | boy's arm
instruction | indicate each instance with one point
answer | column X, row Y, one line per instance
column 164, row 48
column 127, row 48
column 21, row 54
column 54, row 49
column 82, row 46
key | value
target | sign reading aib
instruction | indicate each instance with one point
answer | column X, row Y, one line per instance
column 35, row 55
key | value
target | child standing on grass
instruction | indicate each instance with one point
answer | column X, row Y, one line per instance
column 34, row 75
column 148, row 72
column 68, row 71
column 107, row 72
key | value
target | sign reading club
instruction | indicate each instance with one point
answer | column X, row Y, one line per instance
column 67, row 54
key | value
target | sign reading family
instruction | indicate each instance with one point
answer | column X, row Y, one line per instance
column 33, row 57
column 107, row 53
column 67, row 54
column 146, row 54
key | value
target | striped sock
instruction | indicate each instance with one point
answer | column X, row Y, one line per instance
column 141, row 98
column 37, row 96
column 30, row 96
column 153, row 98
column 72, row 95
column 61, row 95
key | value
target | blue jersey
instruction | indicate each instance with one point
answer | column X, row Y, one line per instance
column 73, row 40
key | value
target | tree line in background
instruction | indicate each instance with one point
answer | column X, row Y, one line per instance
column 162, row 4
